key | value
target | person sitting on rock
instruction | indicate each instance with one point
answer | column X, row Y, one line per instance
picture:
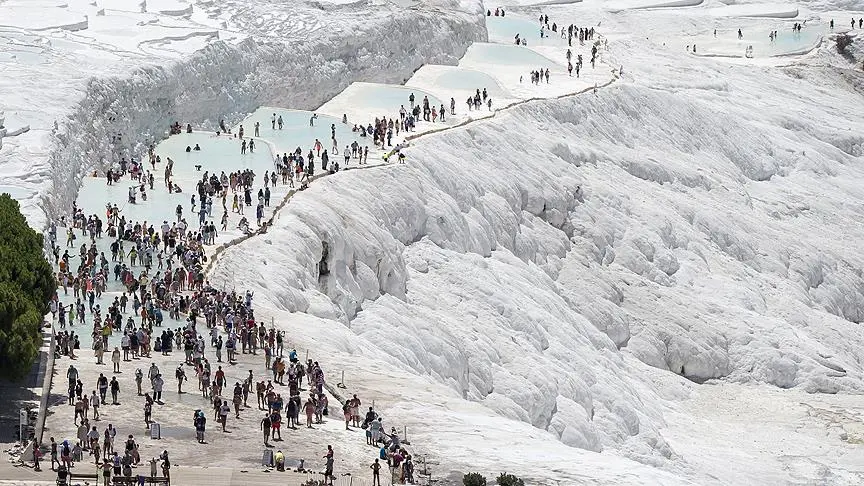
column 244, row 225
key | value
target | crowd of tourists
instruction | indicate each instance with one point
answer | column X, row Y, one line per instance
column 150, row 269
column 158, row 270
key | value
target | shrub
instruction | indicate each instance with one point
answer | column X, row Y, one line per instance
column 474, row 479
column 509, row 480
column 26, row 285
column 843, row 41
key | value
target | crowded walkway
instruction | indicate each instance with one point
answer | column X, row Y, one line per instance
column 187, row 372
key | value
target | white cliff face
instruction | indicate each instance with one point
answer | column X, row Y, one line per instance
column 536, row 262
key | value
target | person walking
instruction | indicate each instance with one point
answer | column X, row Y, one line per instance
column 153, row 371
column 309, row 408
column 200, row 425
column 237, row 400
column 148, row 410
column 37, row 455
column 115, row 390
column 292, row 411
column 346, row 412
column 181, row 377
column 276, row 425
column 54, row 453
column 266, row 425
column 139, row 377
column 115, row 358
column 328, row 467
column 94, row 404
column 224, row 410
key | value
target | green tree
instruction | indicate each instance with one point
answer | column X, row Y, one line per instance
column 473, row 479
column 26, row 285
column 509, row 480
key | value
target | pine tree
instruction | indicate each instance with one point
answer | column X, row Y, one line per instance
column 473, row 479
column 26, row 285
column 509, row 480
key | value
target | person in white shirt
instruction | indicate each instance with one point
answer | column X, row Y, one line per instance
column 224, row 410
column 115, row 358
column 94, row 404
column 158, row 383
column 125, row 343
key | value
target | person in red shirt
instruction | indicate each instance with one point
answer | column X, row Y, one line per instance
column 220, row 377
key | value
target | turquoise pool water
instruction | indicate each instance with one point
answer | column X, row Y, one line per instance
column 504, row 30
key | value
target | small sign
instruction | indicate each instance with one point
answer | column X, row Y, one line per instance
column 267, row 458
column 155, row 430
column 23, row 419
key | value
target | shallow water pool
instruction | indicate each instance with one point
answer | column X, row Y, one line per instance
column 504, row 30
column 296, row 130
column 217, row 154
column 788, row 41
column 468, row 80
column 387, row 99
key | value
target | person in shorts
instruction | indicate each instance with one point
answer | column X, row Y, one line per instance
column 54, row 453
column 106, row 471
column 276, row 424
column 346, row 412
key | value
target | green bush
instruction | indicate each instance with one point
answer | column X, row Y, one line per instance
column 474, row 479
column 509, row 480
column 26, row 285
